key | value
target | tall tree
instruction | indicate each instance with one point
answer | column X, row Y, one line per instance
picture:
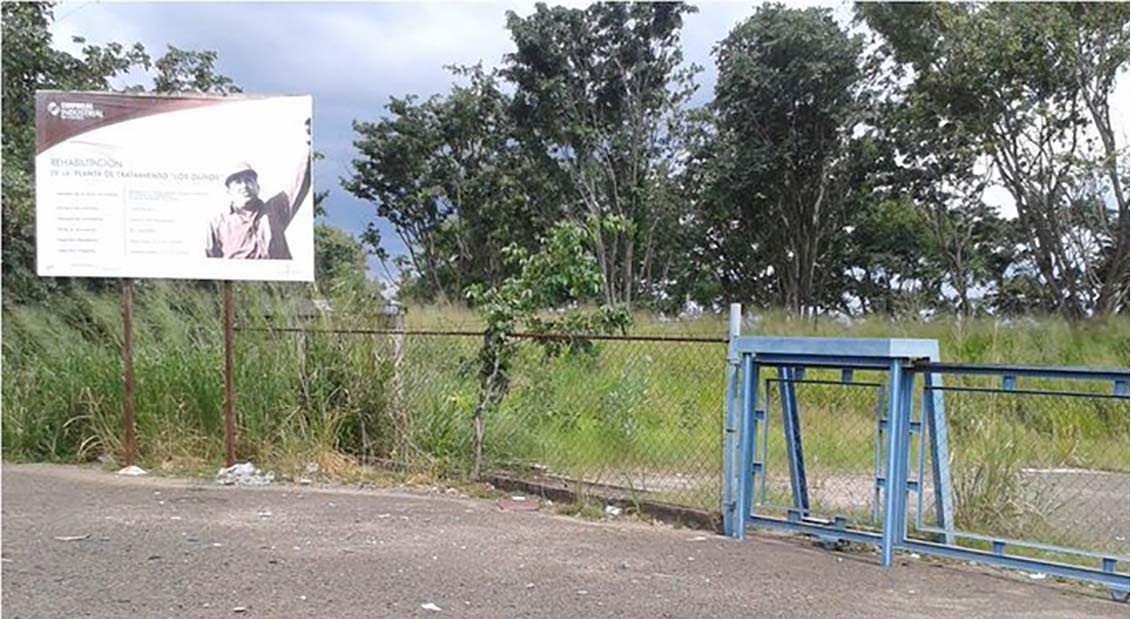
column 1028, row 86
column 457, row 186
column 785, row 103
column 598, row 91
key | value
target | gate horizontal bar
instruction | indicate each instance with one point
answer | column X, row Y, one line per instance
column 1037, row 371
column 1066, row 394
column 1112, row 580
column 1023, row 544
column 857, row 536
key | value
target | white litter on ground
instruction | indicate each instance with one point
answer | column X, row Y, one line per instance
column 133, row 470
column 243, row 474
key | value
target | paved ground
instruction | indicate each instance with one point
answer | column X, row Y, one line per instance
column 173, row 548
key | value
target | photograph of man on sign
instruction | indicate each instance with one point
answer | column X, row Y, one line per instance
column 252, row 228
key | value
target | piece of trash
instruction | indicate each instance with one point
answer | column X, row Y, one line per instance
column 132, row 470
column 1037, row 576
column 518, row 497
column 305, row 482
column 175, row 518
column 383, row 516
column 239, row 609
column 512, row 505
column 302, row 597
column 699, row 538
column 582, row 592
column 71, row 538
column 264, row 514
column 529, row 585
column 244, row 474
column 429, row 606
column 624, row 565
column 613, row 510
column 216, row 544
column 913, row 555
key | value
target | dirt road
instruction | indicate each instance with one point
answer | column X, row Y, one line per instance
column 84, row 543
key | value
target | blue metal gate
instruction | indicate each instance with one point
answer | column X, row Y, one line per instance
column 912, row 454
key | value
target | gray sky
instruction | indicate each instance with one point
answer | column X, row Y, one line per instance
column 353, row 56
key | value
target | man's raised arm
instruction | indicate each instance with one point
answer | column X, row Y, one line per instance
column 299, row 187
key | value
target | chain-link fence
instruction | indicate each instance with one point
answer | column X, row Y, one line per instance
column 642, row 418
column 637, row 417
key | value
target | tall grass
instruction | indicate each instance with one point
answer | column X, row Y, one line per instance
column 632, row 410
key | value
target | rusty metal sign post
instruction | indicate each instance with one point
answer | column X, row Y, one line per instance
column 229, row 385
column 130, row 442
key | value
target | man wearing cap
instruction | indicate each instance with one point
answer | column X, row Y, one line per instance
column 253, row 228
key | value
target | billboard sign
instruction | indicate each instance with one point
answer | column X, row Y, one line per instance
column 174, row 186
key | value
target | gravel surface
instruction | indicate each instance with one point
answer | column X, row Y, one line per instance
column 79, row 542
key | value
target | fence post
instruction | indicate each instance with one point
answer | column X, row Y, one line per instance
column 733, row 525
column 129, row 441
column 229, row 382
column 895, row 478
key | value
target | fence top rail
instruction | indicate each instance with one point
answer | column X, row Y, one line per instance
column 1034, row 371
column 519, row 335
column 844, row 348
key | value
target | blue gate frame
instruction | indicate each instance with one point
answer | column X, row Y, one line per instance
column 903, row 360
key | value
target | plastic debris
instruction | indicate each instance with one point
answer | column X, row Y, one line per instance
column 133, row 470
column 243, row 474
column 430, row 606
column 1037, row 576
column 71, row 538
column 613, row 510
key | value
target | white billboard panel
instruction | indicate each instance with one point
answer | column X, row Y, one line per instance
column 174, row 187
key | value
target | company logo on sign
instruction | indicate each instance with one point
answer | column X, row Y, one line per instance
column 69, row 110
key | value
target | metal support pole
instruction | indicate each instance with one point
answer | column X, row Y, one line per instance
column 935, row 418
column 792, row 427
column 733, row 525
column 130, row 438
column 896, row 461
column 748, row 436
column 229, row 386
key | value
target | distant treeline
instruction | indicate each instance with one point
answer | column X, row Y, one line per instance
column 835, row 169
